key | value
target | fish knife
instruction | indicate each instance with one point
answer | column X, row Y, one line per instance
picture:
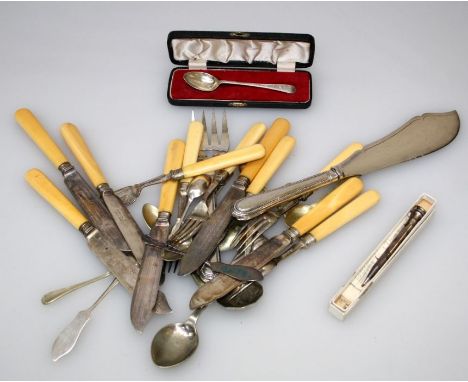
column 84, row 194
column 122, row 217
column 213, row 229
column 419, row 136
column 147, row 286
column 329, row 214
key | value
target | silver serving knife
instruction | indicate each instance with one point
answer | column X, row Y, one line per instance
column 420, row 136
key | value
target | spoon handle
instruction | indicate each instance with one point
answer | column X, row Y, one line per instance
column 62, row 292
column 278, row 87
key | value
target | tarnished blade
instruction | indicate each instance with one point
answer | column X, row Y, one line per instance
column 222, row 284
column 127, row 225
column 124, row 268
column 210, row 234
column 147, row 286
column 420, row 136
column 94, row 208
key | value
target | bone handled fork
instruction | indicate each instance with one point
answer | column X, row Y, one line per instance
column 200, row 213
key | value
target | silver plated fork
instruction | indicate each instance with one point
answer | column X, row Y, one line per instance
column 211, row 145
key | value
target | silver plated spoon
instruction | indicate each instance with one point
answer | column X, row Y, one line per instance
column 206, row 82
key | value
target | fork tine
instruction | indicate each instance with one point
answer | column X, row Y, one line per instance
column 214, row 130
column 205, row 142
column 225, row 132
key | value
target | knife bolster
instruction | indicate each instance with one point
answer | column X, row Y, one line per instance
column 86, row 228
column 176, row 174
column 241, row 183
column 65, row 168
column 292, row 233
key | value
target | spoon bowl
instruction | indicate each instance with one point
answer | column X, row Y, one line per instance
column 150, row 214
column 174, row 343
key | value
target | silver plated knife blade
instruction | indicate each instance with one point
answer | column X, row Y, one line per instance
column 124, row 268
column 420, row 136
column 212, row 230
column 124, row 220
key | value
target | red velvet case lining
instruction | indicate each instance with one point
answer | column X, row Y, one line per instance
column 180, row 90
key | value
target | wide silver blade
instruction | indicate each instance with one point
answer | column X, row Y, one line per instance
column 210, row 234
column 419, row 136
column 123, row 267
column 222, row 284
column 94, row 208
column 126, row 224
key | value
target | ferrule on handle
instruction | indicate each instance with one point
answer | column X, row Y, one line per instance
column 31, row 125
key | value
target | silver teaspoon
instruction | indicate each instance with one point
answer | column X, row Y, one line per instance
column 208, row 83
column 174, row 343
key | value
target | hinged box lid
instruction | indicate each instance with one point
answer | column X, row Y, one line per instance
column 202, row 49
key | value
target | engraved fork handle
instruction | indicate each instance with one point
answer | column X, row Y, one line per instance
column 252, row 206
column 278, row 87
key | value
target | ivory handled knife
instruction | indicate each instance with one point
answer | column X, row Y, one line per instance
column 122, row 217
column 83, row 193
column 420, row 136
column 213, row 229
column 124, row 268
column 233, row 158
column 221, row 284
column 147, row 286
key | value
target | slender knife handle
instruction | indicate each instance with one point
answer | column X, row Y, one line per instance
column 192, row 145
column 254, row 134
column 232, row 158
column 329, row 205
column 80, row 150
column 278, row 130
column 31, row 125
column 272, row 164
column 349, row 212
column 55, row 197
column 174, row 159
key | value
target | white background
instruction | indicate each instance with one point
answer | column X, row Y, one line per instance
column 105, row 68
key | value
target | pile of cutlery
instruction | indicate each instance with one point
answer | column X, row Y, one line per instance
column 191, row 238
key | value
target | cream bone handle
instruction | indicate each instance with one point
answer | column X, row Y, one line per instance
column 278, row 130
column 192, row 145
column 329, row 205
column 254, row 134
column 343, row 216
column 44, row 187
column 233, row 158
column 272, row 164
column 174, row 159
column 31, row 125
column 80, row 150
